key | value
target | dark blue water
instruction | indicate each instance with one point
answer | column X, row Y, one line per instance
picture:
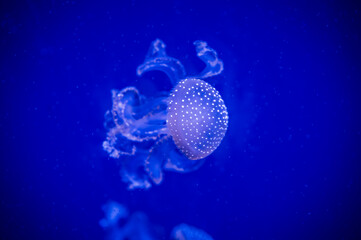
column 288, row 167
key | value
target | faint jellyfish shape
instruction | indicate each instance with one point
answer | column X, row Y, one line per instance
column 186, row 232
column 171, row 131
column 113, row 213
column 120, row 225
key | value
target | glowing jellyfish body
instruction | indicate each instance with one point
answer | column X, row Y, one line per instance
column 197, row 118
column 173, row 131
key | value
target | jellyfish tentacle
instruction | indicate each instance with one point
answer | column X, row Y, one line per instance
column 157, row 59
column 132, row 171
column 164, row 155
column 151, row 118
column 110, row 143
column 135, row 120
column 214, row 65
column 153, row 124
column 156, row 103
column 178, row 163
column 154, row 162
column 121, row 102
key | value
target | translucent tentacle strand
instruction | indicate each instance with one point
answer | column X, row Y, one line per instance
column 157, row 59
column 209, row 56
column 165, row 155
column 133, row 125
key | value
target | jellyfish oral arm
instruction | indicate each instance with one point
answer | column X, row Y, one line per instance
column 157, row 59
column 214, row 65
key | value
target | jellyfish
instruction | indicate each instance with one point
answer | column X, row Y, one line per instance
column 120, row 225
column 186, row 232
column 169, row 131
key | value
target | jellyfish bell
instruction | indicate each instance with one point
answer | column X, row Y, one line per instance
column 173, row 131
column 197, row 118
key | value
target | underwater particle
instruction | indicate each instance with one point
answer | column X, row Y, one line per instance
column 172, row 131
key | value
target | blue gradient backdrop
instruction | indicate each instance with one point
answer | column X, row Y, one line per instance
column 288, row 168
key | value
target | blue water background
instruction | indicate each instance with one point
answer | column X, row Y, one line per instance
column 288, row 168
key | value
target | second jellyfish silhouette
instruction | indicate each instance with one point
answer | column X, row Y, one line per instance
column 174, row 131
